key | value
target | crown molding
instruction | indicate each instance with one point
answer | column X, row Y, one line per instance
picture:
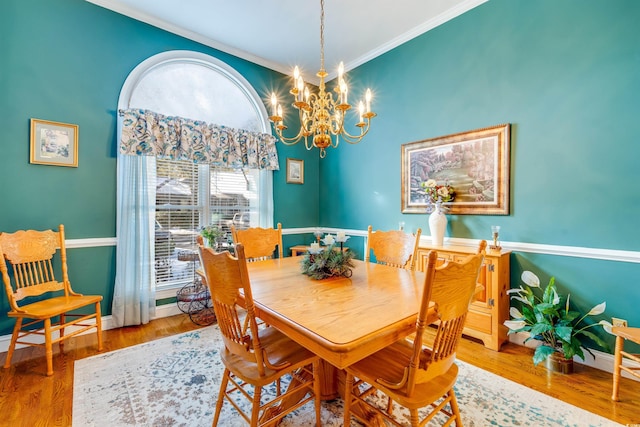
column 449, row 14
column 125, row 10
column 411, row 34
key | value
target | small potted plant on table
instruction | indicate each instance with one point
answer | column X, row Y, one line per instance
column 549, row 319
column 211, row 233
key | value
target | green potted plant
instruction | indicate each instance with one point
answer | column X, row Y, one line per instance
column 548, row 318
column 211, row 233
column 331, row 260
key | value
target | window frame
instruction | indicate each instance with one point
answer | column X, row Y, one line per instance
column 265, row 195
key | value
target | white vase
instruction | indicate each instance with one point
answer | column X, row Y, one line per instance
column 437, row 225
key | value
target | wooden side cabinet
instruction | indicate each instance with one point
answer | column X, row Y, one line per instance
column 491, row 306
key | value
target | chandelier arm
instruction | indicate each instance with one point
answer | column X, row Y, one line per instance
column 354, row 139
column 308, row 145
column 289, row 141
column 335, row 145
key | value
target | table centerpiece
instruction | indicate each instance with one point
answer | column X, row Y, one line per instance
column 332, row 259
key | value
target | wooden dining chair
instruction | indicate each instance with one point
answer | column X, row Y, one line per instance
column 30, row 254
column 259, row 243
column 395, row 248
column 413, row 375
column 624, row 334
column 256, row 357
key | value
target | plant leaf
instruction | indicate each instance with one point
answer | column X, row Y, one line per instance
column 596, row 339
column 564, row 332
column 528, row 314
column 573, row 348
column 549, row 292
column 540, row 328
column 541, row 353
column 569, row 316
column 546, row 308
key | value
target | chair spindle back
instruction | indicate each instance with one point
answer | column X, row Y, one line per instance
column 227, row 276
column 451, row 288
column 394, row 248
column 259, row 243
column 30, row 254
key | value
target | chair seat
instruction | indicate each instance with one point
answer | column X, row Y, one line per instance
column 388, row 364
column 280, row 349
column 54, row 306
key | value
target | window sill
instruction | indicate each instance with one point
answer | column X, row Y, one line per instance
column 168, row 292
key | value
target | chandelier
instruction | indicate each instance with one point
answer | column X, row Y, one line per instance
column 321, row 116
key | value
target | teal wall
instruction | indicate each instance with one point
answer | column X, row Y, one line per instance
column 566, row 75
column 66, row 61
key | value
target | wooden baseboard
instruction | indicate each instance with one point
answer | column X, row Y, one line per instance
column 602, row 360
column 107, row 323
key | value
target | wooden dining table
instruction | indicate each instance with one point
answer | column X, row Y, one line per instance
column 341, row 319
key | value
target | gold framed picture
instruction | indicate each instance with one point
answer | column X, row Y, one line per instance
column 54, row 143
column 474, row 163
column 295, row 171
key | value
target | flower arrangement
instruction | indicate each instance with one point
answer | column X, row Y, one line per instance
column 211, row 233
column 330, row 260
column 550, row 320
column 438, row 193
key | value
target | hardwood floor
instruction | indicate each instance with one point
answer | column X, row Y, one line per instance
column 29, row 398
column 587, row 388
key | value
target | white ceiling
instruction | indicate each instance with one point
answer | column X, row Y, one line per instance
column 280, row 34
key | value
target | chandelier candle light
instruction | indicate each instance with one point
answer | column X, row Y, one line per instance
column 321, row 116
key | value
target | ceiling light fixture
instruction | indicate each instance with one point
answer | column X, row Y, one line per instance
column 321, row 116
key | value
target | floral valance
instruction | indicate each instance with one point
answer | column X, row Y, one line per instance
column 145, row 133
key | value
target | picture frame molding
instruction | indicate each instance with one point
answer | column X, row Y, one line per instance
column 295, row 171
column 41, row 155
column 498, row 135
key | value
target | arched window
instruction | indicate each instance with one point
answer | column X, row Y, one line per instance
column 187, row 196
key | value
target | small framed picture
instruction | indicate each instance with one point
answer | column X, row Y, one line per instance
column 295, row 171
column 54, row 143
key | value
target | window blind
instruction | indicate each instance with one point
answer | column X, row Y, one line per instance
column 188, row 197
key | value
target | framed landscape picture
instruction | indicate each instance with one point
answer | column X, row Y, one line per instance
column 474, row 163
column 295, row 171
column 53, row 143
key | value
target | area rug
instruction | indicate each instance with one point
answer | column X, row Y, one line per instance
column 174, row 382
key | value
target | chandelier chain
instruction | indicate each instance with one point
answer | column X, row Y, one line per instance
column 322, row 35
